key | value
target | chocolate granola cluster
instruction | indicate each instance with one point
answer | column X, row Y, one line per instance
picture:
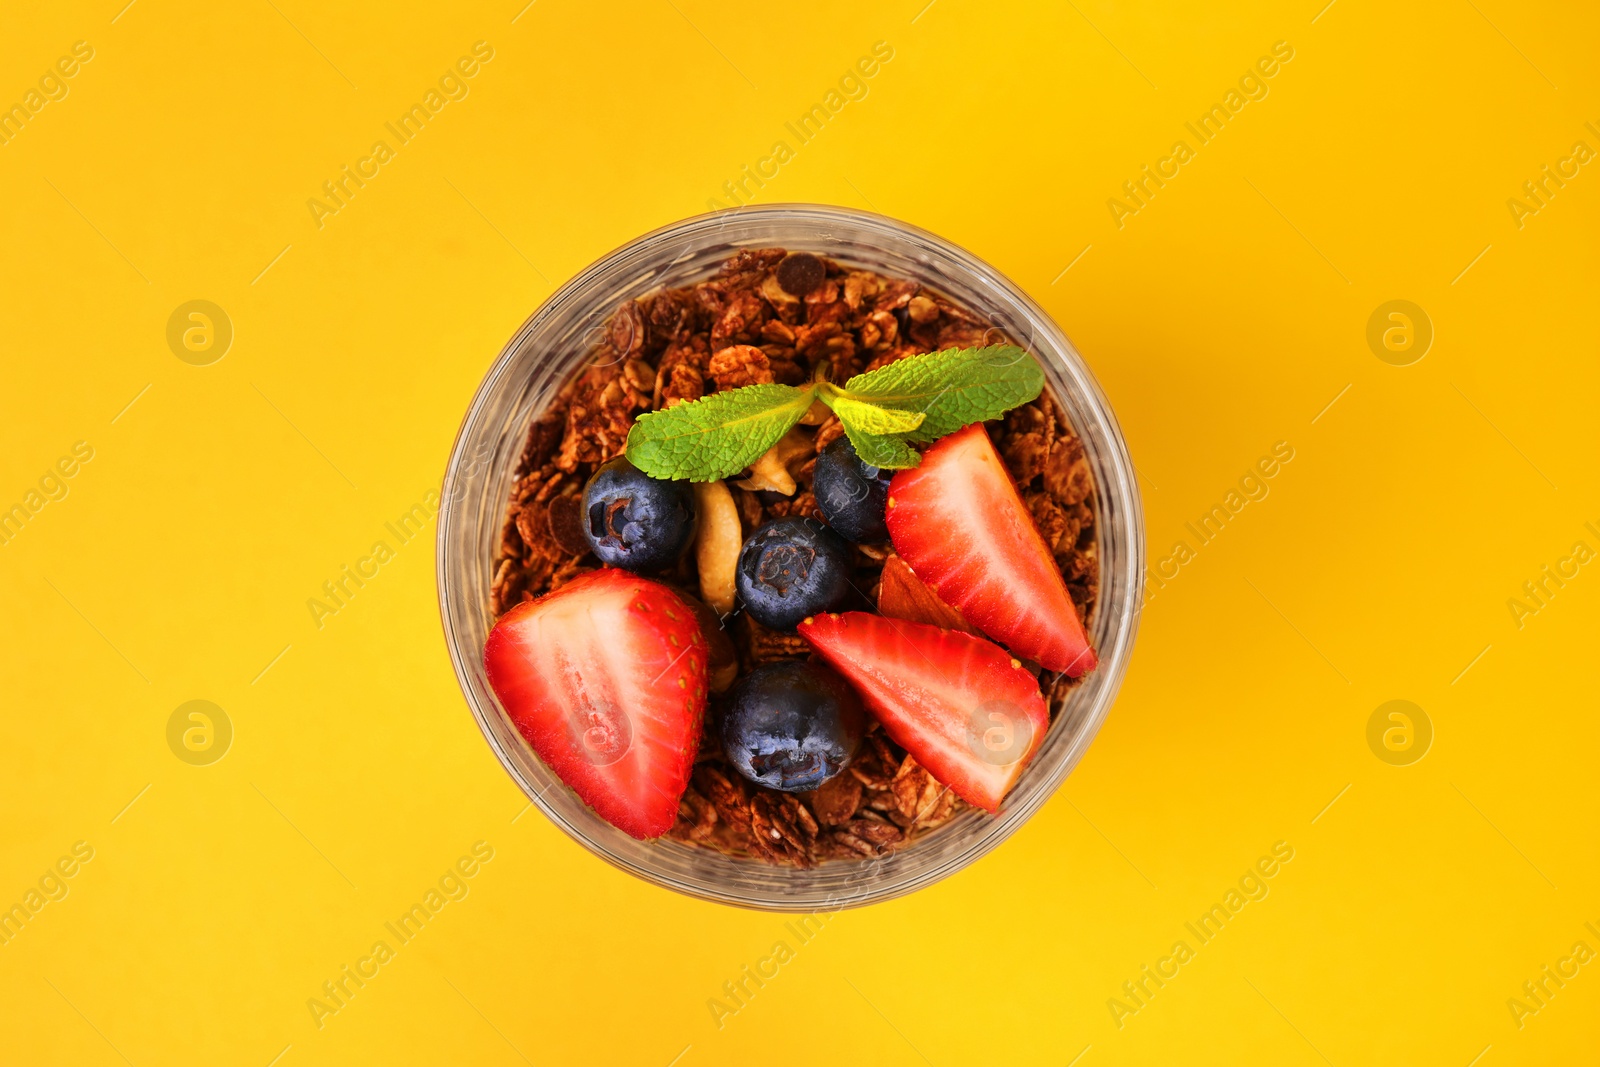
column 772, row 316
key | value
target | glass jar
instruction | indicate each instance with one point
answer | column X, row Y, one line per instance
column 560, row 337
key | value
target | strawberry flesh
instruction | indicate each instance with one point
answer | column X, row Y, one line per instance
column 902, row 595
column 606, row 679
column 958, row 521
column 961, row 705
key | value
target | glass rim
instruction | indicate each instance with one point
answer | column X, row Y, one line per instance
column 1116, row 494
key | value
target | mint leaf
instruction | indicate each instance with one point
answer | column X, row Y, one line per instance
column 877, row 433
column 870, row 418
column 877, row 450
column 717, row 435
column 952, row 388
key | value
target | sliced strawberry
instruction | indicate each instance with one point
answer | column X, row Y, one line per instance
column 902, row 595
column 606, row 678
column 969, row 712
column 957, row 519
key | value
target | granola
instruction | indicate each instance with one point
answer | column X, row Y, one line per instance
column 771, row 316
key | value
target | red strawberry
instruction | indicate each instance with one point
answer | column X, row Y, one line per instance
column 606, row 678
column 957, row 519
column 902, row 595
column 969, row 712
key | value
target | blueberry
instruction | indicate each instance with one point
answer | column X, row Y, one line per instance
column 852, row 495
column 792, row 568
column 791, row 726
column 635, row 521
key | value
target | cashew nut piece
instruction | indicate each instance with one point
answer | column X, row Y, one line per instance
column 771, row 471
column 717, row 544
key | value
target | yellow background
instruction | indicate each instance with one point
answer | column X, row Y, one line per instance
column 1222, row 318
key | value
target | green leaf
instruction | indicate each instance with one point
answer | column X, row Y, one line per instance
column 872, row 419
column 878, row 434
column 717, row 435
column 889, row 453
column 952, row 388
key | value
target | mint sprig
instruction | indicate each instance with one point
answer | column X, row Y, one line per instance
column 914, row 400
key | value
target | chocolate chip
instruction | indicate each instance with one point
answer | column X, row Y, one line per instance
column 566, row 523
column 800, row 272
